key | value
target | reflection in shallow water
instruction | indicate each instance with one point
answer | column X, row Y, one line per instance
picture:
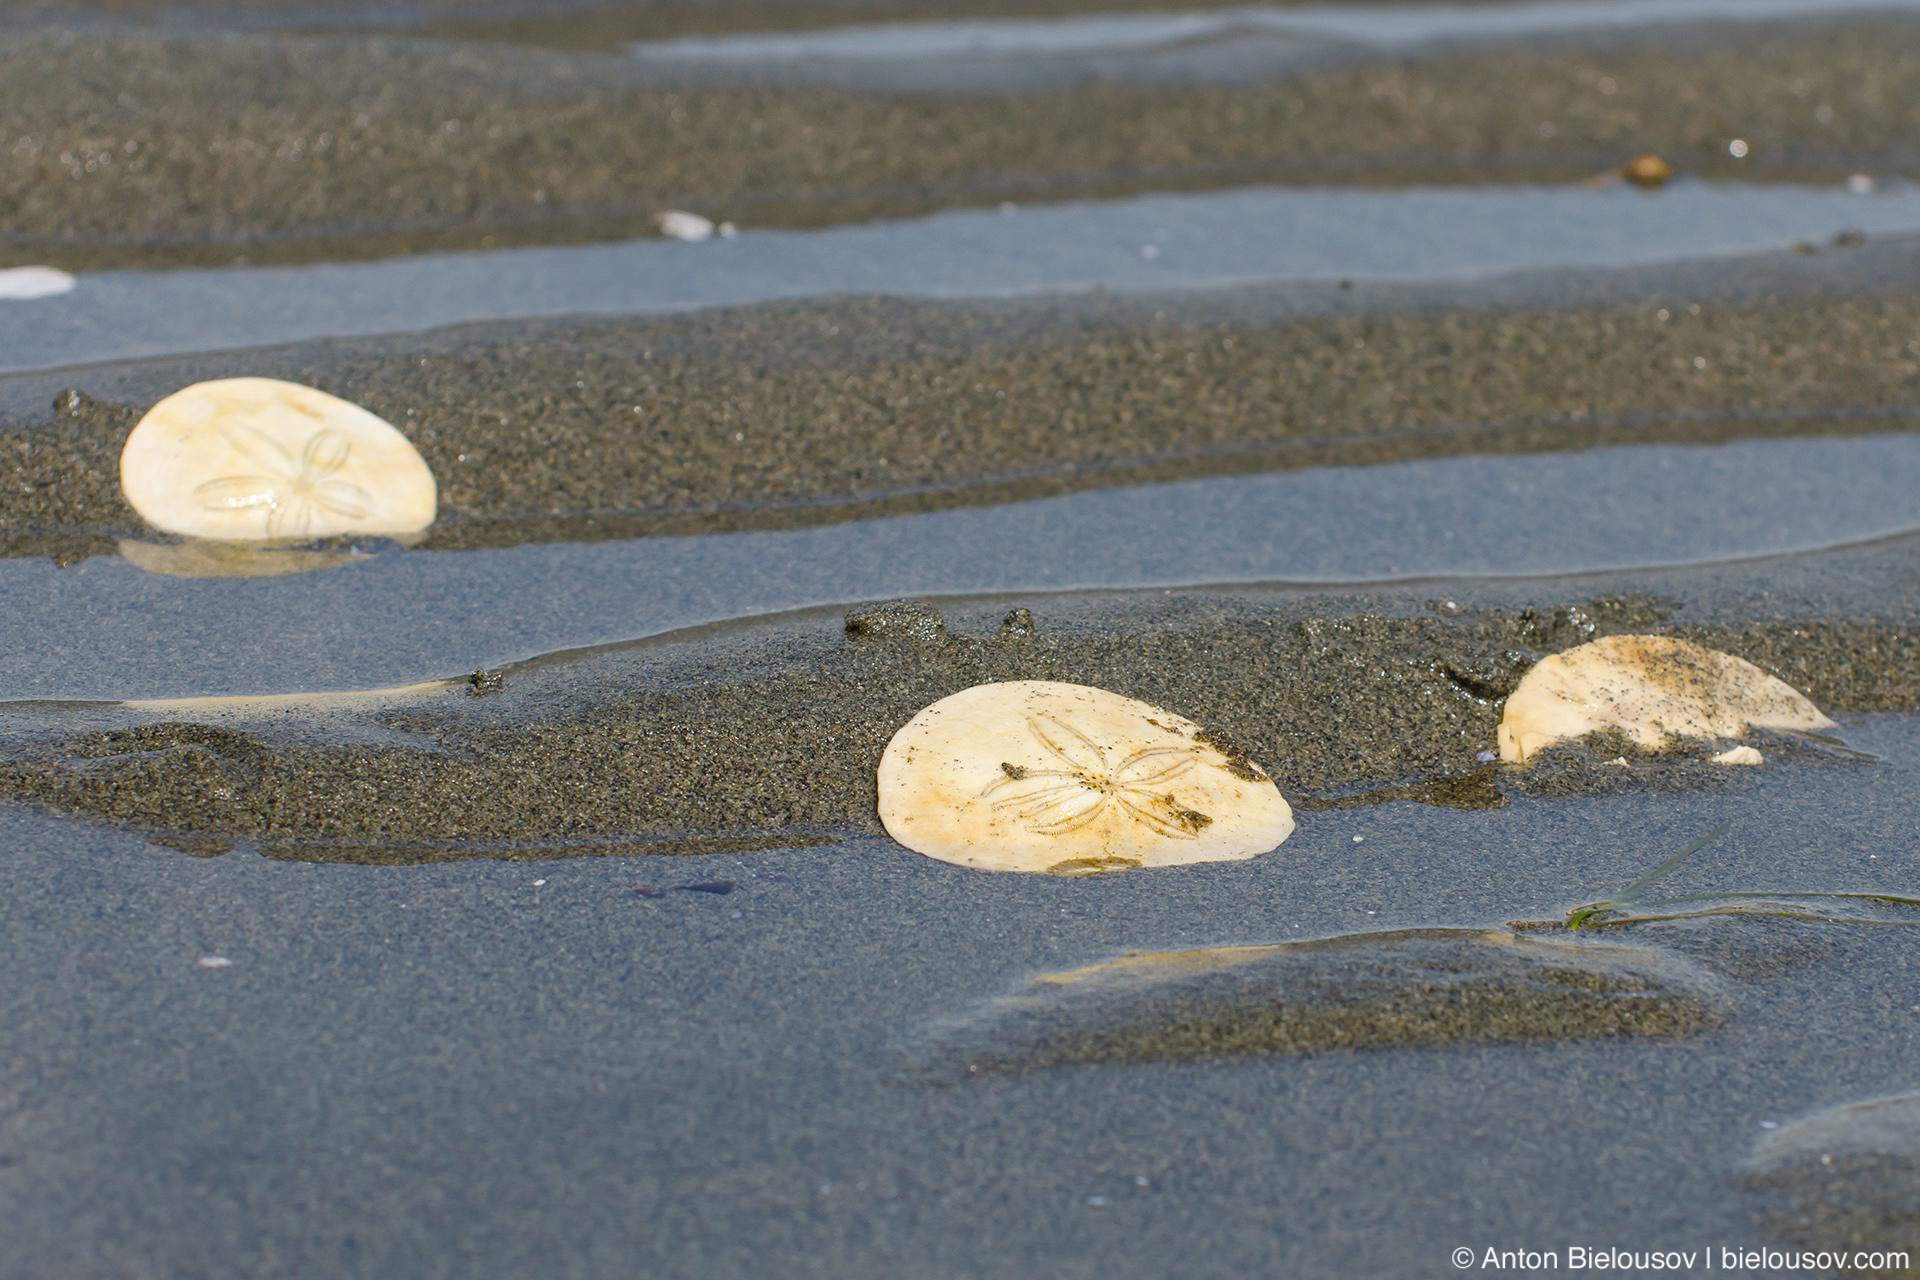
column 228, row 559
column 1242, row 43
column 400, row 853
column 1383, row 27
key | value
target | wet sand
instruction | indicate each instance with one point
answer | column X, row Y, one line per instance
column 597, row 963
column 803, row 413
column 295, row 148
column 593, row 1065
column 772, row 730
column 587, row 24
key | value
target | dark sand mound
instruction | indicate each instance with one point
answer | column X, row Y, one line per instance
column 143, row 149
column 789, row 414
column 1408, row 988
column 774, row 730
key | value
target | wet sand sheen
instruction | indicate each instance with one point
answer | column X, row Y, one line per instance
column 377, row 146
column 284, row 992
column 590, row 24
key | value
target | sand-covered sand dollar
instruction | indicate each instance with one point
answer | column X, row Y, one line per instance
column 1036, row 775
column 256, row 458
column 1655, row 689
column 1390, row 990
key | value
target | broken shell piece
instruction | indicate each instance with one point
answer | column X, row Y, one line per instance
column 247, row 459
column 22, row 284
column 677, row 224
column 1648, row 171
column 1035, row 775
column 1740, row 755
column 1655, row 689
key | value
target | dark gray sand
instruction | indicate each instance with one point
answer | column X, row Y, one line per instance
column 795, row 414
column 129, row 149
column 597, row 964
column 772, row 730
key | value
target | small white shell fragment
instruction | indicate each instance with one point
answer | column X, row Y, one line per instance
column 23, row 284
column 251, row 459
column 1041, row 776
column 1655, row 689
column 677, row 224
column 1740, row 756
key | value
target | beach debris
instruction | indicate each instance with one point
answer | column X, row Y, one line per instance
column 1041, row 776
column 1394, row 989
column 1647, row 171
column 24, row 284
column 721, row 887
column 1738, row 148
column 1654, row 689
column 910, row 619
column 214, row 962
column 253, row 459
column 677, row 224
column 1861, row 184
column 1641, row 903
column 1740, row 756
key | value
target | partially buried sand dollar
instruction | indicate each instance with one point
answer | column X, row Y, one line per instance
column 1656, row 690
column 1035, row 775
column 255, row 458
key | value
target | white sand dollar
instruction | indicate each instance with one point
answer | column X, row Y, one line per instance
column 1655, row 689
column 248, row 459
column 1035, row 775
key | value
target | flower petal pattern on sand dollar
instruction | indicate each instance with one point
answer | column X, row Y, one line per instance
column 258, row 459
column 1039, row 775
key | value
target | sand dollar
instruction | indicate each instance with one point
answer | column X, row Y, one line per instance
column 256, row 458
column 1035, row 775
column 1655, row 689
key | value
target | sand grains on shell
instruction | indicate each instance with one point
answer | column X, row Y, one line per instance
column 1657, row 690
column 255, row 459
column 1042, row 776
